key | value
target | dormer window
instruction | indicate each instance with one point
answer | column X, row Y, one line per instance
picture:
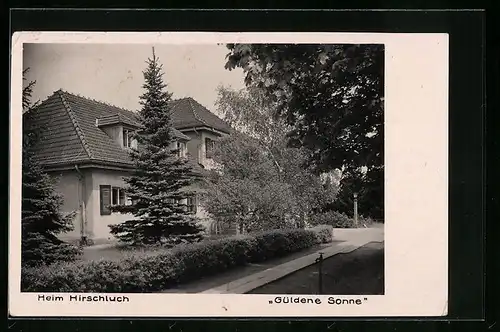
column 119, row 128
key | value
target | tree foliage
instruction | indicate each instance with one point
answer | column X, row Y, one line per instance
column 332, row 98
column 41, row 218
column 28, row 93
column 160, row 180
column 261, row 183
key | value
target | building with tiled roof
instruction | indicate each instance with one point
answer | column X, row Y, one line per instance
column 83, row 143
column 187, row 113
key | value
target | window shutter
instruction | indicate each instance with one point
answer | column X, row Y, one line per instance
column 105, row 199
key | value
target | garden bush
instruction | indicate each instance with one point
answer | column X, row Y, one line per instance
column 324, row 233
column 333, row 218
column 339, row 220
column 366, row 221
column 162, row 269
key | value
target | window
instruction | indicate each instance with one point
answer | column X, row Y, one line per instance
column 111, row 196
column 127, row 138
column 105, row 199
column 209, row 147
column 114, row 195
column 121, row 197
column 173, row 201
column 191, row 204
column 181, row 152
column 118, row 196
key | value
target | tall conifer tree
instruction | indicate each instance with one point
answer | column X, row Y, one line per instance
column 41, row 219
column 158, row 184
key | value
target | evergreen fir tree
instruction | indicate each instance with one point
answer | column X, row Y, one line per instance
column 41, row 218
column 159, row 181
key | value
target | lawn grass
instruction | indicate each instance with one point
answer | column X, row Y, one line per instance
column 360, row 272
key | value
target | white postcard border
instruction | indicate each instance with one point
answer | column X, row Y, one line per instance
column 416, row 186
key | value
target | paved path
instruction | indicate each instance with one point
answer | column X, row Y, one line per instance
column 345, row 241
column 360, row 272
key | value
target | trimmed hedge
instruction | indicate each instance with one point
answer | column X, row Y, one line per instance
column 163, row 269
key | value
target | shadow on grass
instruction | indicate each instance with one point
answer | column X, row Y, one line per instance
column 360, row 272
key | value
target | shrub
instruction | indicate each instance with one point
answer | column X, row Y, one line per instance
column 164, row 268
column 339, row 220
column 366, row 221
column 324, row 233
column 66, row 277
column 333, row 218
column 39, row 249
column 277, row 243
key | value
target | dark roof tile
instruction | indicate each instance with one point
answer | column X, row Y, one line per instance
column 70, row 133
column 60, row 142
column 187, row 112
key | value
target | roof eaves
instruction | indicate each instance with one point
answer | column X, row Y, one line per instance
column 178, row 134
column 75, row 123
column 88, row 164
column 203, row 127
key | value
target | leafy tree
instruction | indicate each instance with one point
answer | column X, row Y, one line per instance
column 41, row 219
column 246, row 191
column 332, row 98
column 159, row 181
column 370, row 189
column 262, row 183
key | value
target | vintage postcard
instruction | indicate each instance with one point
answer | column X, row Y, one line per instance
column 188, row 174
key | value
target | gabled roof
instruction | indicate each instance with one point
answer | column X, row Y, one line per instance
column 59, row 141
column 71, row 135
column 188, row 113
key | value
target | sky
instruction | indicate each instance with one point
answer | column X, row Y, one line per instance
column 113, row 73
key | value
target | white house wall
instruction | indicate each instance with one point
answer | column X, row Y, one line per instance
column 84, row 196
column 196, row 146
column 76, row 196
column 208, row 163
column 100, row 228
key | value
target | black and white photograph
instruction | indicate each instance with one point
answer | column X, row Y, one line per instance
column 215, row 168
